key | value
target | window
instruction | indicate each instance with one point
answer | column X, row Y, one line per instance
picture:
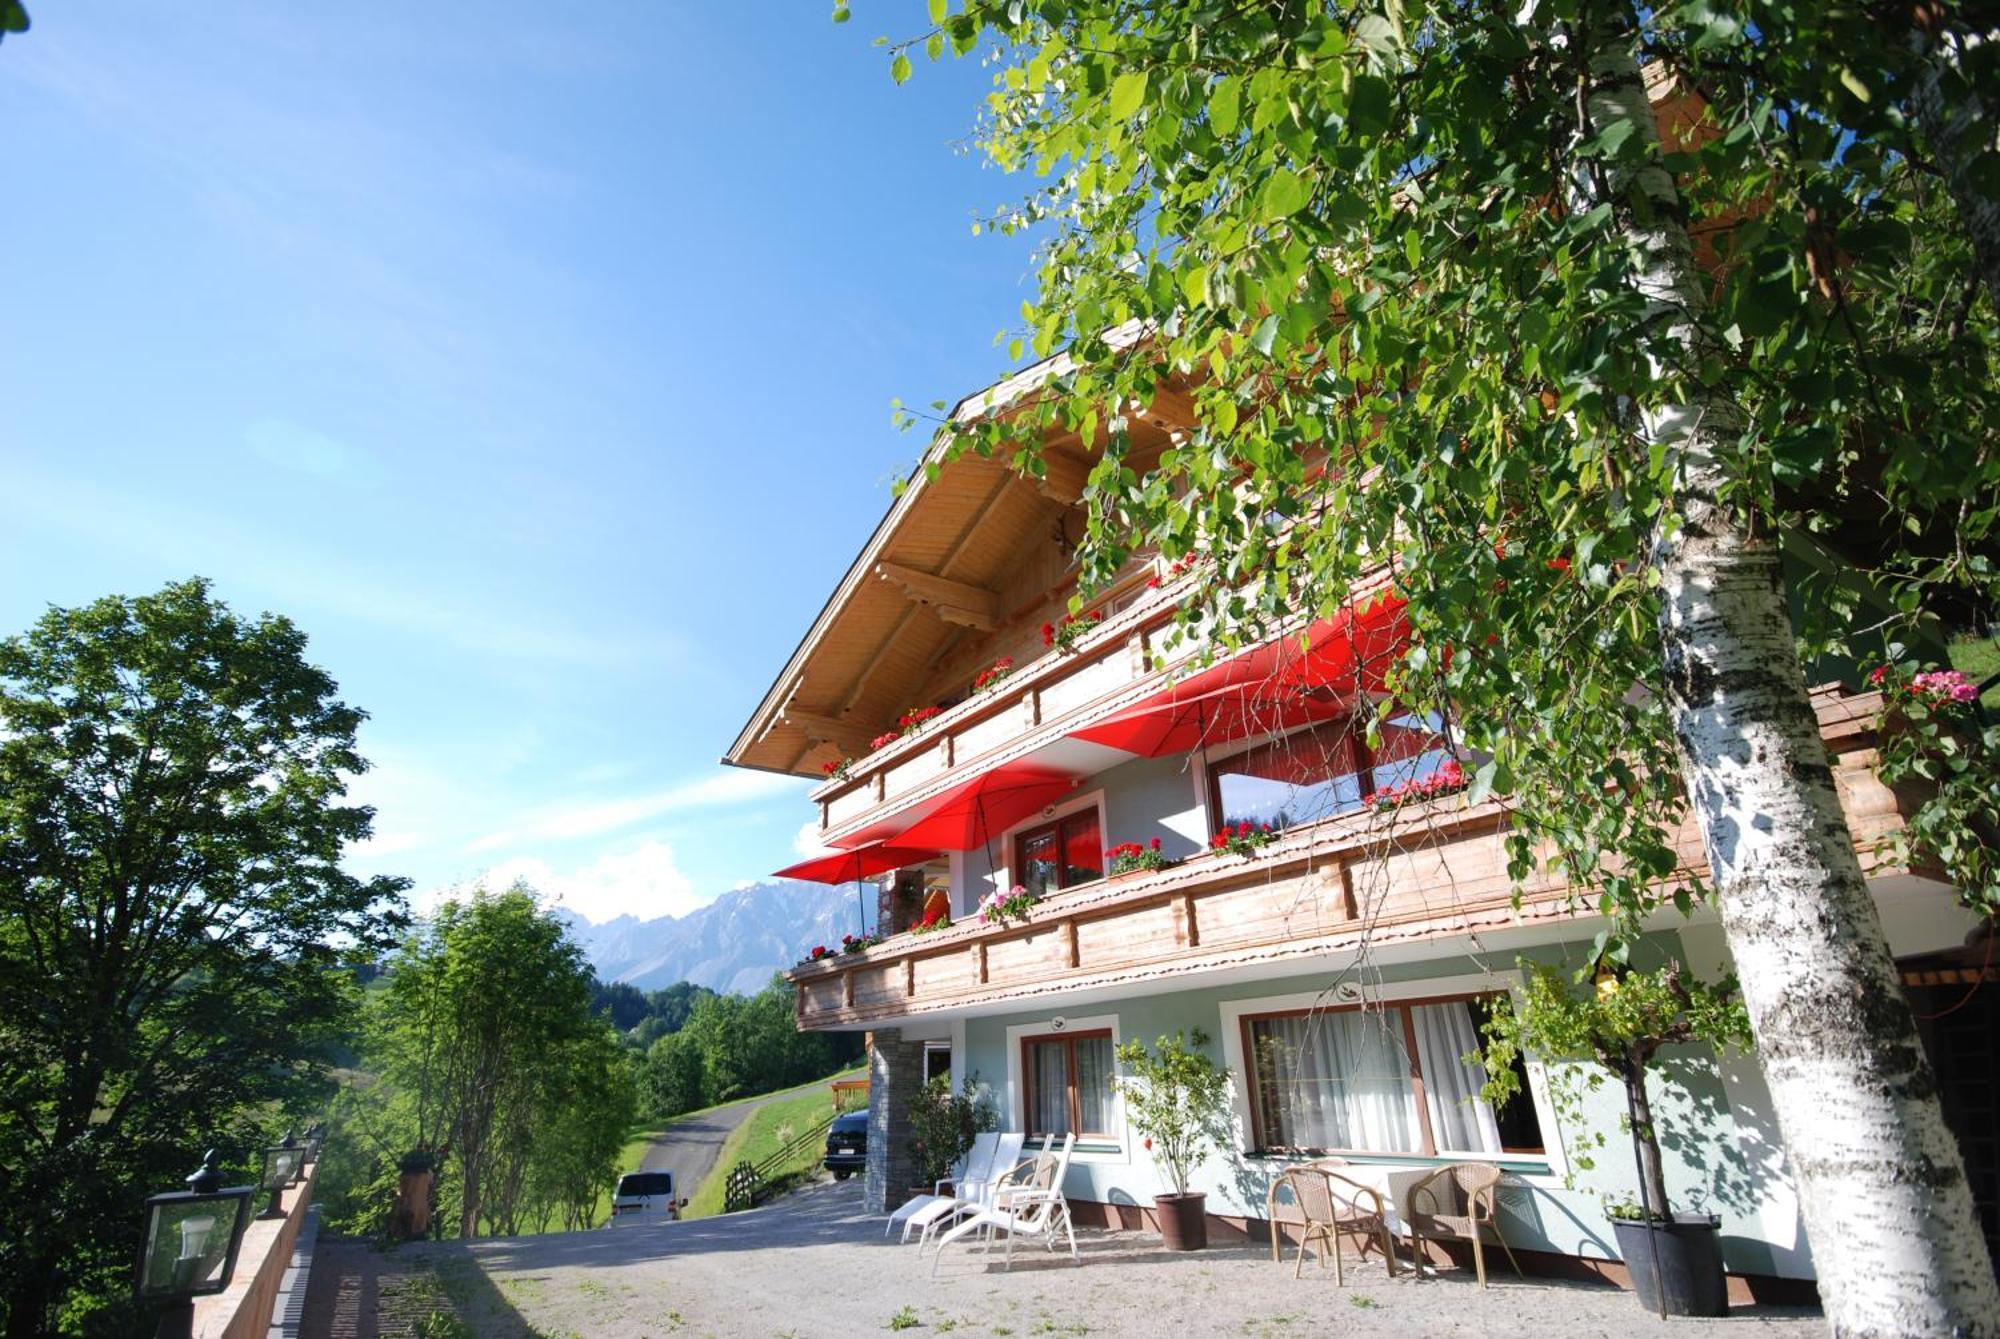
column 1321, row 771
column 1061, row 854
column 1068, row 1084
column 1388, row 1079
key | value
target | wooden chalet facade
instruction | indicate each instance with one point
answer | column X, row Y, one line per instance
column 1337, row 968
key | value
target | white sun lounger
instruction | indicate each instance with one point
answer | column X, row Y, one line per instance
column 971, row 1194
column 977, row 1167
column 1027, row 1203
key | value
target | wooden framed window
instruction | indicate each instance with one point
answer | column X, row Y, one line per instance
column 1067, row 1083
column 1380, row 1079
column 1061, row 854
column 1320, row 771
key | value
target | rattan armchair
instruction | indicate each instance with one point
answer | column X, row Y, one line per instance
column 1331, row 1204
column 1456, row 1203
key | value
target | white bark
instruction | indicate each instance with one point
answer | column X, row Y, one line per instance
column 1881, row 1183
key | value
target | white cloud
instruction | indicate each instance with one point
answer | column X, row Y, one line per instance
column 568, row 822
column 806, row 841
column 644, row 881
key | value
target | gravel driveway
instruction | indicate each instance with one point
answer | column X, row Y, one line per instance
column 814, row 1265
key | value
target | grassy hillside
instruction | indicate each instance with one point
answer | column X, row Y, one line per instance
column 1981, row 659
column 767, row 1130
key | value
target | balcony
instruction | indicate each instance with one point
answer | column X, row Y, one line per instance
column 1036, row 713
column 1425, row 870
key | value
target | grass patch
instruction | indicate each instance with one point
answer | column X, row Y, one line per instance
column 763, row 1132
column 906, row 1319
column 1980, row 658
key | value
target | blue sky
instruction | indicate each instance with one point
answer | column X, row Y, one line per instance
column 536, row 360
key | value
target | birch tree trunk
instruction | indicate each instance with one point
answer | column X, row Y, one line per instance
column 1880, row 1179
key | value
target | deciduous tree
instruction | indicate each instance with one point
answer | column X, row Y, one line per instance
column 1640, row 429
column 172, row 914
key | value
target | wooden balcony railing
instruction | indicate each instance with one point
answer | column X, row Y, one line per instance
column 1432, row 869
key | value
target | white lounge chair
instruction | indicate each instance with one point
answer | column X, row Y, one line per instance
column 1028, row 1203
column 969, row 1195
column 978, row 1165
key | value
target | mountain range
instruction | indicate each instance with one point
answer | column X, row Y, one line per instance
column 734, row 943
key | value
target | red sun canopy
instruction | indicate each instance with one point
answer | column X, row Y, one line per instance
column 973, row 812
column 1293, row 681
column 860, row 863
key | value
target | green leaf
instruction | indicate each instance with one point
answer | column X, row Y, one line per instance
column 1284, row 194
column 899, row 68
column 1225, row 104
column 1852, row 82
column 1194, row 285
column 1368, row 105
column 1413, row 247
column 1263, row 336
column 940, row 8
column 1127, row 92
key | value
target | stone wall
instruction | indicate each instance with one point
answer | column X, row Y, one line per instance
column 895, row 1075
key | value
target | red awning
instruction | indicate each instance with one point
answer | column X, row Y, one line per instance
column 973, row 812
column 860, row 863
column 1293, row 681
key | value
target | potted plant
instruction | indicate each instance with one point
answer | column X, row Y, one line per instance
column 1132, row 857
column 1620, row 1023
column 1177, row 1098
column 943, row 1125
column 1244, row 838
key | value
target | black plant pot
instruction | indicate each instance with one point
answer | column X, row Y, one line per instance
column 1689, row 1253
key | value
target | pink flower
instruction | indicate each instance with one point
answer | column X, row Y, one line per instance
column 1945, row 686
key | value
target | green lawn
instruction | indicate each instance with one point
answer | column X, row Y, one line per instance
column 766, row 1130
column 1980, row 659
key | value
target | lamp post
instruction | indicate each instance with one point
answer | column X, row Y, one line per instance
column 282, row 1163
column 190, row 1244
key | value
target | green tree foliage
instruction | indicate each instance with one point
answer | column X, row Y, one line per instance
column 171, row 822
column 643, row 1017
column 490, row 1061
column 1177, row 1098
column 739, row 1046
column 943, row 1125
column 1618, row 1024
column 1641, row 430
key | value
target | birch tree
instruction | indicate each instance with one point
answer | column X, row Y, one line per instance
column 1643, row 426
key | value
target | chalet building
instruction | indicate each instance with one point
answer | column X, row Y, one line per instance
column 969, row 744
column 1337, row 968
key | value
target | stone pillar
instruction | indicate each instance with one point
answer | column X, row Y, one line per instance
column 895, row 1074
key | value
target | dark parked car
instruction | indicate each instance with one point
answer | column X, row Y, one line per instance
column 847, row 1145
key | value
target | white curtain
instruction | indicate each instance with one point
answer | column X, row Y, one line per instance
column 1051, row 1113
column 1093, row 1084
column 1460, row 1119
column 1336, row 1080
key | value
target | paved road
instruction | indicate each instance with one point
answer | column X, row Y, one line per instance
column 689, row 1146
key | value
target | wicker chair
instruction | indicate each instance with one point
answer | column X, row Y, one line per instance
column 1330, row 1204
column 1456, row 1203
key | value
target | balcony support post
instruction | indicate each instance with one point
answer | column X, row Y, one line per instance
column 895, row 1074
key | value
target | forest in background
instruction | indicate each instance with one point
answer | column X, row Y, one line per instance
column 489, row 1053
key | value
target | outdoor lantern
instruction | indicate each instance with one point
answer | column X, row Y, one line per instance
column 190, row 1244
column 282, row 1164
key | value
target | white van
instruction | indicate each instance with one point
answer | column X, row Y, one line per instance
column 644, row 1197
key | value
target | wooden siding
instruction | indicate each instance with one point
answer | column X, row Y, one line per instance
column 1425, row 871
